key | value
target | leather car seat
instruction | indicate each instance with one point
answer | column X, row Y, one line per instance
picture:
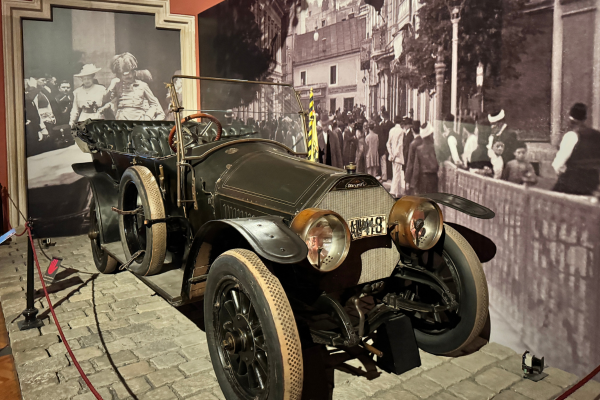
column 147, row 138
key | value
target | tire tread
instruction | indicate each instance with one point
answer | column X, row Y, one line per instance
column 157, row 211
column 480, row 283
column 283, row 316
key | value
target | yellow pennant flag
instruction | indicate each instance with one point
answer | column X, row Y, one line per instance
column 313, row 143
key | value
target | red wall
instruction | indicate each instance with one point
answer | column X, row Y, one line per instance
column 191, row 7
column 186, row 7
column 3, row 160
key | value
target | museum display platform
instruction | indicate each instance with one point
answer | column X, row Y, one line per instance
column 133, row 345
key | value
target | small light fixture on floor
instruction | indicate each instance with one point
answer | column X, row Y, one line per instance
column 532, row 367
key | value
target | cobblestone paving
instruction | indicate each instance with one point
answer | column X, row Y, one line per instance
column 133, row 345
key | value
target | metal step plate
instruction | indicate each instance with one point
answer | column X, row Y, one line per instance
column 167, row 284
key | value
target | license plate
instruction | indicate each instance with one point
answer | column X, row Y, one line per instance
column 375, row 225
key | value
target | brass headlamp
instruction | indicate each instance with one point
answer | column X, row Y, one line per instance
column 326, row 235
column 416, row 222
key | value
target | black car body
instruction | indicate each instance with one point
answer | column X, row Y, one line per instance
column 255, row 192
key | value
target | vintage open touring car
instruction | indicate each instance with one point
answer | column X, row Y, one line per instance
column 284, row 252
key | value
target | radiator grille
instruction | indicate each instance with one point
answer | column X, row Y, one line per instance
column 376, row 263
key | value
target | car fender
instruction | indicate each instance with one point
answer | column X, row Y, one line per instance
column 106, row 195
column 461, row 204
column 267, row 236
column 484, row 247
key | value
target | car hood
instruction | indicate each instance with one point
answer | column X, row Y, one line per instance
column 271, row 182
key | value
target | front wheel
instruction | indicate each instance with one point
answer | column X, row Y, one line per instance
column 457, row 265
column 252, row 335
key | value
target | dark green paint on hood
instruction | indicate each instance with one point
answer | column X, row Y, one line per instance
column 277, row 181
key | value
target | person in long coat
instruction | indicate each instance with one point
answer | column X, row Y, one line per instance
column 383, row 131
column 350, row 144
column 337, row 159
column 424, row 177
column 409, row 136
column 396, row 156
column 410, row 163
column 330, row 148
column 373, row 149
column 361, row 150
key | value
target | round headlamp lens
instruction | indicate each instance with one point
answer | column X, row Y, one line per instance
column 424, row 223
column 319, row 240
column 326, row 235
column 416, row 222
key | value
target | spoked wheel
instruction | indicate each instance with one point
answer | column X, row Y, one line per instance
column 140, row 199
column 252, row 335
column 242, row 338
column 456, row 264
column 104, row 262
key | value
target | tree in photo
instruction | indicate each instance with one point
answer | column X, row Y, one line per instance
column 490, row 32
column 234, row 44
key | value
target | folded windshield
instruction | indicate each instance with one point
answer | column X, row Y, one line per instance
column 248, row 110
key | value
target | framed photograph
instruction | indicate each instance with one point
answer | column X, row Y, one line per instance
column 86, row 65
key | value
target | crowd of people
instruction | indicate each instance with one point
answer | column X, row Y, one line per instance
column 405, row 152
column 401, row 151
column 486, row 147
column 52, row 108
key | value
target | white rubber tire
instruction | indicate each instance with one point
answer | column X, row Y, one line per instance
column 156, row 235
column 286, row 367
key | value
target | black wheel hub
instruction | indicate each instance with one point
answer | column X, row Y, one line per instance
column 438, row 322
column 242, row 350
column 94, row 233
column 135, row 230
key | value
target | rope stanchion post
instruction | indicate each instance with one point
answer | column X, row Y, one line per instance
column 60, row 332
column 30, row 312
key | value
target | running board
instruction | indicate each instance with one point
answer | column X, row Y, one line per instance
column 167, row 284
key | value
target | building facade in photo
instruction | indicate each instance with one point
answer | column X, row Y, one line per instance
column 328, row 61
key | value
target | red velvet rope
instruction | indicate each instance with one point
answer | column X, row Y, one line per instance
column 579, row 384
column 60, row 332
column 193, row 116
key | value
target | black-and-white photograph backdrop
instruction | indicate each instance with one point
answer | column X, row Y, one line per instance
column 86, row 65
column 491, row 101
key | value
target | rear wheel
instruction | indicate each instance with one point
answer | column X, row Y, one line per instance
column 459, row 268
column 103, row 261
column 140, row 196
column 252, row 335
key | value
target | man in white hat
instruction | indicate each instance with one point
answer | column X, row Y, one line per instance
column 501, row 133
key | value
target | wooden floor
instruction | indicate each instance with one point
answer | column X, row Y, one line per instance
column 9, row 385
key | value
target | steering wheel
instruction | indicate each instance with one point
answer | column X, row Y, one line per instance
column 194, row 116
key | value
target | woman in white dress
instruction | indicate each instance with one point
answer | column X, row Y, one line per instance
column 87, row 100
